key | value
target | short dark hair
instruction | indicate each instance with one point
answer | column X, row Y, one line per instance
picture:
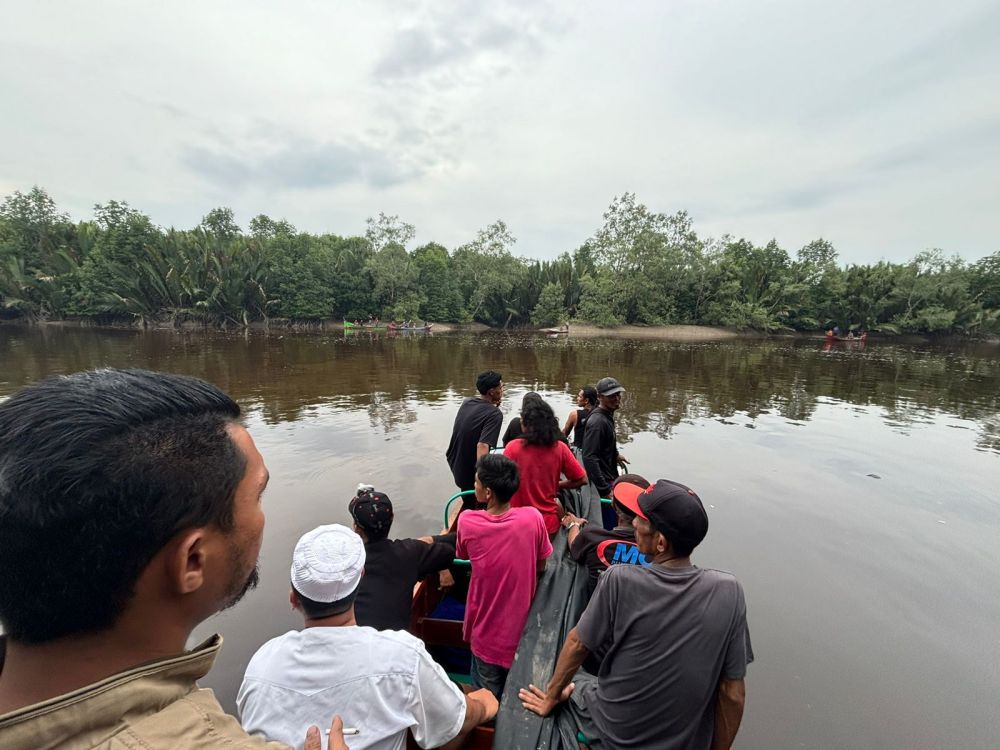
column 487, row 381
column 315, row 610
column 590, row 394
column 499, row 474
column 98, row 471
column 539, row 423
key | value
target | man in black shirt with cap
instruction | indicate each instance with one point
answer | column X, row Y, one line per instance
column 672, row 640
column 392, row 566
column 476, row 431
column 600, row 446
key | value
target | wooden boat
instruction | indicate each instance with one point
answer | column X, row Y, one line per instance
column 349, row 326
column 410, row 329
column 563, row 330
column 862, row 337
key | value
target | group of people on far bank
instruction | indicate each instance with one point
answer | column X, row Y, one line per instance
column 130, row 511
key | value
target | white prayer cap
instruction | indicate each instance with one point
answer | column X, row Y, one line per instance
column 327, row 563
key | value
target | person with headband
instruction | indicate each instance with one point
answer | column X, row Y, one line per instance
column 393, row 566
column 383, row 683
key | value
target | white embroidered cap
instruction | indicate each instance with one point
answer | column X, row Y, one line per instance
column 327, row 563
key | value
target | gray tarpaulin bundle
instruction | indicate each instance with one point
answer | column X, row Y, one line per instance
column 559, row 601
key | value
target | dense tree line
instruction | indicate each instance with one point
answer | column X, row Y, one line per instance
column 640, row 267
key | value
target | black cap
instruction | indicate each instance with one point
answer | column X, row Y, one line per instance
column 372, row 512
column 609, row 387
column 672, row 508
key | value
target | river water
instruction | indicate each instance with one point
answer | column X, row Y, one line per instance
column 854, row 492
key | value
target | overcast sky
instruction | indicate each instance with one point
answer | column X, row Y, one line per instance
column 873, row 124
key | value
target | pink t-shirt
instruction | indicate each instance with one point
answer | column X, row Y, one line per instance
column 504, row 551
column 540, row 467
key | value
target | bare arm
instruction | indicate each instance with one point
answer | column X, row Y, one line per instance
column 572, row 524
column 570, row 658
column 570, row 423
column 728, row 713
column 572, row 484
column 540, row 567
column 480, row 706
column 482, row 449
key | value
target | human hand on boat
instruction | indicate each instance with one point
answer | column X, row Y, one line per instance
column 622, row 461
column 314, row 740
column 536, row 700
column 445, row 580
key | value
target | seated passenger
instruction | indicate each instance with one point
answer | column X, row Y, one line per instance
column 599, row 548
column 542, row 459
column 382, row 683
column 392, row 566
column 672, row 639
column 507, row 547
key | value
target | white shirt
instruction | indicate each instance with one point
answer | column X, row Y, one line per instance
column 382, row 682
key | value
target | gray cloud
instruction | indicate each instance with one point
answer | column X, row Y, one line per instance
column 301, row 165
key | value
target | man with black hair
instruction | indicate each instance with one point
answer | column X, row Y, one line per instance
column 384, row 683
column 507, row 547
column 476, row 431
column 600, row 444
column 392, row 566
column 130, row 511
column 672, row 639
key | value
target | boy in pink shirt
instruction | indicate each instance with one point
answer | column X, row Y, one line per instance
column 507, row 547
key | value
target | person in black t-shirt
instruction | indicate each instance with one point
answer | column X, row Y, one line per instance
column 392, row 566
column 476, row 431
column 600, row 446
column 599, row 548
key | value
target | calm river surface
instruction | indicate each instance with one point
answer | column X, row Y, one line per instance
column 856, row 494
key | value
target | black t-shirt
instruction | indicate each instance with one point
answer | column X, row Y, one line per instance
column 477, row 422
column 599, row 549
column 513, row 431
column 392, row 569
column 600, row 450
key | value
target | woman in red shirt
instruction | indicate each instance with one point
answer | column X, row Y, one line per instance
column 542, row 459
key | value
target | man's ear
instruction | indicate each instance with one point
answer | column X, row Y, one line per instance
column 662, row 543
column 293, row 599
column 187, row 561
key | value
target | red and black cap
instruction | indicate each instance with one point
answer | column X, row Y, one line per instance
column 672, row 508
column 372, row 512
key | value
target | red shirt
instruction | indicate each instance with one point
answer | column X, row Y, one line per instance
column 541, row 467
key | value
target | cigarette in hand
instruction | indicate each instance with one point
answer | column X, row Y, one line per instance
column 348, row 731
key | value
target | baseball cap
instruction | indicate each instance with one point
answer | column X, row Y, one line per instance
column 372, row 511
column 327, row 563
column 635, row 480
column 609, row 387
column 672, row 508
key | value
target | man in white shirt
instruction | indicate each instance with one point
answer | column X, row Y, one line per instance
column 382, row 683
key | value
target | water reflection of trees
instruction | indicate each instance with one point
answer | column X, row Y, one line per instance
column 389, row 377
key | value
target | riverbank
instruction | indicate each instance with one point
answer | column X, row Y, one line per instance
column 691, row 333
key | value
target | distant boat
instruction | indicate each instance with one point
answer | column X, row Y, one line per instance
column 862, row 337
column 411, row 329
column 557, row 331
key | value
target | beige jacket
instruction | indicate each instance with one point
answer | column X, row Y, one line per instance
column 156, row 706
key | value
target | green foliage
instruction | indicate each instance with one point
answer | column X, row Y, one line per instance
column 550, row 310
column 640, row 267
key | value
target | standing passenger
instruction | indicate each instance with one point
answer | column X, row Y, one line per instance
column 586, row 399
column 515, row 429
column 507, row 548
column 542, row 458
column 600, row 446
column 476, row 431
